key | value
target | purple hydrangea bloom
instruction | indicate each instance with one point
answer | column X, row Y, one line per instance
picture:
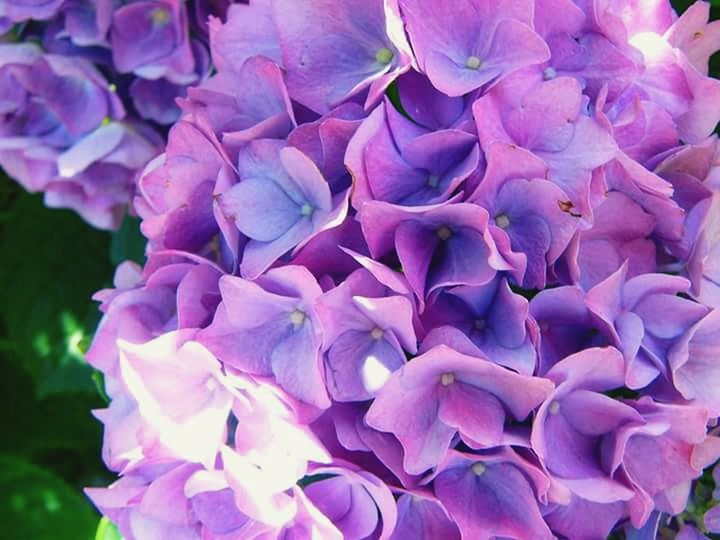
column 23, row 10
column 573, row 421
column 358, row 503
column 493, row 494
column 364, row 332
column 175, row 190
column 393, row 160
column 446, row 386
column 418, row 270
column 467, row 45
column 281, row 202
column 492, row 318
column 150, row 38
column 64, row 131
column 105, row 64
column 237, row 117
column 344, row 45
column 437, row 245
column 547, row 118
column 422, row 516
column 171, row 292
column 645, row 316
column 281, row 321
column 620, row 233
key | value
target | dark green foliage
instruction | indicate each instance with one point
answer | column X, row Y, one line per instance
column 37, row 505
column 128, row 244
column 51, row 262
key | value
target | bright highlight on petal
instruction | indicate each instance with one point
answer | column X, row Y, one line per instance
column 374, row 374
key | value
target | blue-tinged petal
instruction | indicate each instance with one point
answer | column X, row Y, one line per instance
column 260, row 208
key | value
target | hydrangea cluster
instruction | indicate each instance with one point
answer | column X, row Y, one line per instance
column 425, row 270
column 87, row 87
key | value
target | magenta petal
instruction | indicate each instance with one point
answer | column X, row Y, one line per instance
column 261, row 209
column 585, row 519
column 482, row 424
column 490, row 499
column 248, row 31
column 329, row 50
column 415, row 245
column 420, row 423
column 712, row 520
column 423, row 518
column 358, row 365
column 303, row 380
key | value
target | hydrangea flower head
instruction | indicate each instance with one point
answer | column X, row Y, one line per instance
column 421, row 269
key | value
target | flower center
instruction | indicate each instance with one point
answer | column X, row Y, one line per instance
column 446, row 379
column 377, row 333
column 479, row 468
column 473, row 62
column 554, row 407
column 444, row 232
column 433, row 180
column 384, row 55
column 160, row 17
column 549, row 73
column 502, row 221
column 298, row 317
column 480, row 324
column 307, row 210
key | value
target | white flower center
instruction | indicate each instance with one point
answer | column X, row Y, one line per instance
column 298, row 317
column 502, row 221
column 473, row 62
column 307, row 210
column 446, row 379
column 549, row 73
column 554, row 407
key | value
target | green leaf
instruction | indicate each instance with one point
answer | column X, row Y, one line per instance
column 37, row 505
column 52, row 263
column 394, row 96
column 128, row 243
column 107, row 530
column 57, row 431
column 311, row 479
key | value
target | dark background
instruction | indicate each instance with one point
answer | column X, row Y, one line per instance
column 51, row 263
